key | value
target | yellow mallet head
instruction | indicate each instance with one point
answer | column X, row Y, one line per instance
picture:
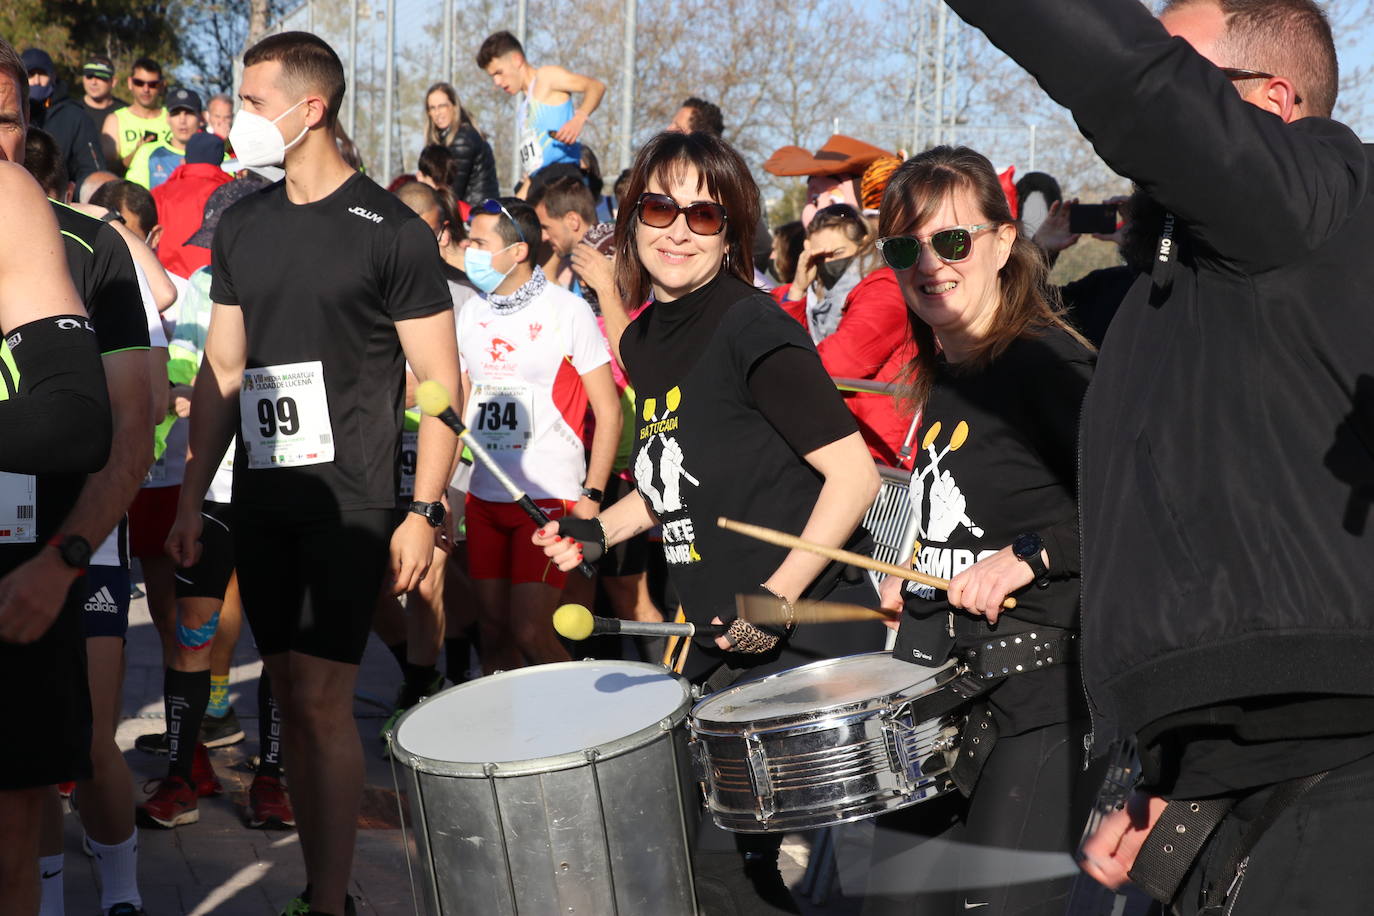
column 431, row 398
column 573, row 621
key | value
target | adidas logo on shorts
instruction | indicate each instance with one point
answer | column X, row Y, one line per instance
column 102, row 601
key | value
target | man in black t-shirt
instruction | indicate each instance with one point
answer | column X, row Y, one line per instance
column 324, row 286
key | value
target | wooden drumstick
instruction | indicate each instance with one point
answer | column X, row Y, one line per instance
column 763, row 609
column 783, row 539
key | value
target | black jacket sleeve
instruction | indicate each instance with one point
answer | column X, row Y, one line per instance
column 1252, row 190
column 464, row 153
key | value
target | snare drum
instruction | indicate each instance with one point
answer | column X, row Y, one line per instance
column 553, row 789
column 830, row 742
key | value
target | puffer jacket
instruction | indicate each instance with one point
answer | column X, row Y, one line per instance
column 474, row 178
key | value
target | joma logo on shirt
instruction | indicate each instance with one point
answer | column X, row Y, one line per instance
column 365, row 214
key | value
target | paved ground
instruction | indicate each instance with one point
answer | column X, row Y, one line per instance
column 219, row 866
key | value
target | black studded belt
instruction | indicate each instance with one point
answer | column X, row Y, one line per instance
column 1005, row 656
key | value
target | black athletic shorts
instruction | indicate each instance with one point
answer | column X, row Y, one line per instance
column 46, row 704
column 104, row 596
column 631, row 556
column 311, row 585
column 209, row 578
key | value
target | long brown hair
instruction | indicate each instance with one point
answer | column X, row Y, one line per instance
column 727, row 180
column 433, row 134
column 1027, row 303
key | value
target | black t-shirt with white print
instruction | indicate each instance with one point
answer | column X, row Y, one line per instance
column 321, row 286
column 731, row 395
column 997, row 457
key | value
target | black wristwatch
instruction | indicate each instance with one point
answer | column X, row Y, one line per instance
column 74, row 550
column 430, row 512
column 593, row 494
column 1027, row 548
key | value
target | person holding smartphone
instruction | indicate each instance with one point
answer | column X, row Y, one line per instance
column 144, row 121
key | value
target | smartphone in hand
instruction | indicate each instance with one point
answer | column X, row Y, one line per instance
column 1098, row 219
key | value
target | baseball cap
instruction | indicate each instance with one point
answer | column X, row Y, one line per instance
column 36, row 59
column 205, row 147
column 98, row 66
column 221, row 199
column 183, row 98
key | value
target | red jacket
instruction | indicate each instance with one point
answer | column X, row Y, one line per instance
column 871, row 342
column 180, row 208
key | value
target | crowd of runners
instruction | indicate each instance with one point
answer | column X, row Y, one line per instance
column 216, row 319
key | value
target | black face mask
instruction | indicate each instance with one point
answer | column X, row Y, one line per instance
column 831, row 269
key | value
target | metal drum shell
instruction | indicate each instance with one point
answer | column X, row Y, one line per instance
column 604, row 831
column 833, row 764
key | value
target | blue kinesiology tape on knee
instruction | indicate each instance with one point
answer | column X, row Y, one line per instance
column 199, row 637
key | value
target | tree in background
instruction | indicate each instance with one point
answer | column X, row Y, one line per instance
column 70, row 29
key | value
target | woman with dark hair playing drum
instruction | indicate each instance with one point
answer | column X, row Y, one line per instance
column 736, row 416
column 999, row 377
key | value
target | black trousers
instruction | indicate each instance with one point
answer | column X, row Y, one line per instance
column 1314, row 859
column 1007, row 850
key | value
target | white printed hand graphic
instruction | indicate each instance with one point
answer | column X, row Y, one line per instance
column 644, row 478
column 670, row 470
column 947, row 505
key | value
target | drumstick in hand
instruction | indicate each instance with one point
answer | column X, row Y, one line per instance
column 432, row 399
column 791, row 541
column 768, row 610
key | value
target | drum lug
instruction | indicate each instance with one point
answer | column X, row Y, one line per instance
column 898, row 755
column 701, row 768
column 758, row 775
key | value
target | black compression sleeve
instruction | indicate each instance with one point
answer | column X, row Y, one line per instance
column 60, row 421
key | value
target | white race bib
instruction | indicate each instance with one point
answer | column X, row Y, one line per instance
column 502, row 416
column 284, row 416
column 531, row 156
column 17, row 502
column 410, row 454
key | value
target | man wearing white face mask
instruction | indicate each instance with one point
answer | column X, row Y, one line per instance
column 533, row 360
column 324, row 286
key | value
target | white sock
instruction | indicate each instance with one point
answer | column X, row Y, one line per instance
column 50, row 874
column 118, row 866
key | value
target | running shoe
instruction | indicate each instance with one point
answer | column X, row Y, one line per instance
column 156, row 743
column 126, row 909
column 221, row 731
column 269, row 806
column 65, row 789
column 203, row 774
column 172, row 804
column 300, row 905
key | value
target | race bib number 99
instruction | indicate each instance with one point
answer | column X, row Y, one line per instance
column 17, row 501
column 284, row 416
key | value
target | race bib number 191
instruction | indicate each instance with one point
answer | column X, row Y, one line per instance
column 17, row 502
column 284, row 416
column 531, row 157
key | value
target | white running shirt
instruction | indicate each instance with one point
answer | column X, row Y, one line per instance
column 528, row 405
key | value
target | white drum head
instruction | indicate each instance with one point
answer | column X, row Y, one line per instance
column 538, row 712
column 822, row 685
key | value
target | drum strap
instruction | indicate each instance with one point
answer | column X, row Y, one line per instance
column 1006, row 656
column 975, row 746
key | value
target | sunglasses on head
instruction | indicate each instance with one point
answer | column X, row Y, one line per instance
column 494, row 207
column 659, row 211
column 901, row 252
column 145, row 84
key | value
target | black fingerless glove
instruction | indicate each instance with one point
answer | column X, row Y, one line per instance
column 589, row 532
column 757, row 638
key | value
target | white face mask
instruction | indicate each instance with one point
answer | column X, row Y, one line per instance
column 256, row 140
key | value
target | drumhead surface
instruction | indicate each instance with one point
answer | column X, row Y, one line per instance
column 541, row 711
column 819, row 685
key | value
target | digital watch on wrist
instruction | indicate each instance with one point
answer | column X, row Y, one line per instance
column 74, row 550
column 430, row 512
column 1027, row 548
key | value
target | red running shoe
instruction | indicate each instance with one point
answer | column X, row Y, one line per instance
column 203, row 774
column 65, row 789
column 172, row 804
column 269, row 807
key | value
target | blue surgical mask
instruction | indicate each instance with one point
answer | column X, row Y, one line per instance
column 477, row 265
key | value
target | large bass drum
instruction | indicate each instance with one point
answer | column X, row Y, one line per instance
column 556, row 789
column 830, row 742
